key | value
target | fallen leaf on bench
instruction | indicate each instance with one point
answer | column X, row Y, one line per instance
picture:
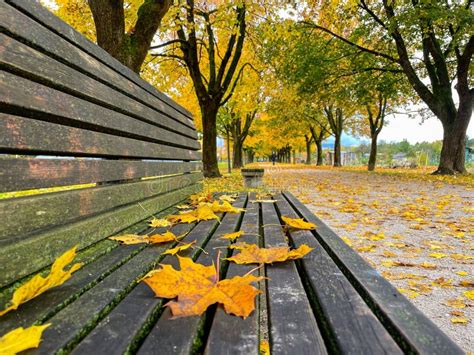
column 163, row 238
column 196, row 287
column 459, row 320
column 156, row 223
column 130, row 239
column 176, row 250
column 21, row 339
column 233, row 236
column 183, row 207
column 228, row 198
column 298, row 223
column 263, row 201
column 39, row 284
column 225, row 207
column 202, row 213
column 252, row 254
column 196, row 199
column 264, row 348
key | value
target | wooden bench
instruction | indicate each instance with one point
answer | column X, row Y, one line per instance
column 63, row 97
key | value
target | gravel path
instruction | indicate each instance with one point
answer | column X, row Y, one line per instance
column 417, row 232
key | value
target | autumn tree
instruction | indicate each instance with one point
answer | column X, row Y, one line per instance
column 129, row 47
column 398, row 32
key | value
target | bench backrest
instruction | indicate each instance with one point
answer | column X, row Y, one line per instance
column 70, row 114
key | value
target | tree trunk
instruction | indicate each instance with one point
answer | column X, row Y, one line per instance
column 319, row 148
column 453, row 152
column 308, row 151
column 209, row 146
column 337, row 150
column 237, row 163
column 373, row 153
column 229, row 170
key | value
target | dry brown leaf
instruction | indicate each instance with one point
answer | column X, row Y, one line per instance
column 252, row 254
column 21, row 339
column 197, row 287
column 298, row 223
column 39, row 284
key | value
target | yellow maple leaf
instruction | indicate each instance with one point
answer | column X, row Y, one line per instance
column 298, row 223
column 21, row 339
column 130, row 239
column 233, row 236
column 252, row 254
column 455, row 302
column 264, row 348
column 469, row 294
column 167, row 236
column 157, row 223
column 442, row 282
column 183, row 207
column 198, row 198
column 408, row 293
column 462, row 273
column 176, row 250
column 438, row 255
column 459, row 320
column 467, row 283
column 228, row 198
column 202, row 213
column 225, row 207
column 196, row 287
column 426, row 265
column 39, row 284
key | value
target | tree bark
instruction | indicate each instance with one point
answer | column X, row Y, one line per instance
column 308, row 149
column 337, row 150
column 373, row 153
column 209, row 146
column 128, row 48
column 319, row 148
column 237, row 162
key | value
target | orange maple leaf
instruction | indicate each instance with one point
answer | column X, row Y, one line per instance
column 252, row 254
column 196, row 287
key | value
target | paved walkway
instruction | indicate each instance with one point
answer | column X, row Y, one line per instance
column 417, row 232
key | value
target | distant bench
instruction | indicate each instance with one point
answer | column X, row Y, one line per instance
column 72, row 115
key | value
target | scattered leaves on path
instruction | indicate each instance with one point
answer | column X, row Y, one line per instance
column 197, row 287
column 252, row 254
column 298, row 223
column 39, row 284
column 21, row 339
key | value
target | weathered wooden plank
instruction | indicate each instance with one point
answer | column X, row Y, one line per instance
column 27, row 97
column 23, row 174
column 413, row 331
column 293, row 325
column 30, row 214
column 184, row 335
column 47, row 18
column 21, row 135
column 29, row 255
column 140, row 307
column 21, row 26
column 234, row 335
column 349, row 322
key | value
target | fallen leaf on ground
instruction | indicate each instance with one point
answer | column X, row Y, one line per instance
column 469, row 294
column 459, row 320
column 233, row 236
column 298, row 223
column 176, row 250
column 466, row 283
column 157, row 223
column 438, row 255
column 252, row 254
column 21, row 339
column 409, row 293
column 39, row 284
column 197, row 287
column 455, row 303
column 462, row 273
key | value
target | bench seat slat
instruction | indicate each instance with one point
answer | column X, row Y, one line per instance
column 18, row 135
column 293, row 325
column 27, row 256
column 31, row 214
column 351, row 322
column 45, row 17
column 23, row 60
column 51, row 105
column 181, row 333
column 21, row 26
column 233, row 335
column 419, row 334
column 24, row 174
